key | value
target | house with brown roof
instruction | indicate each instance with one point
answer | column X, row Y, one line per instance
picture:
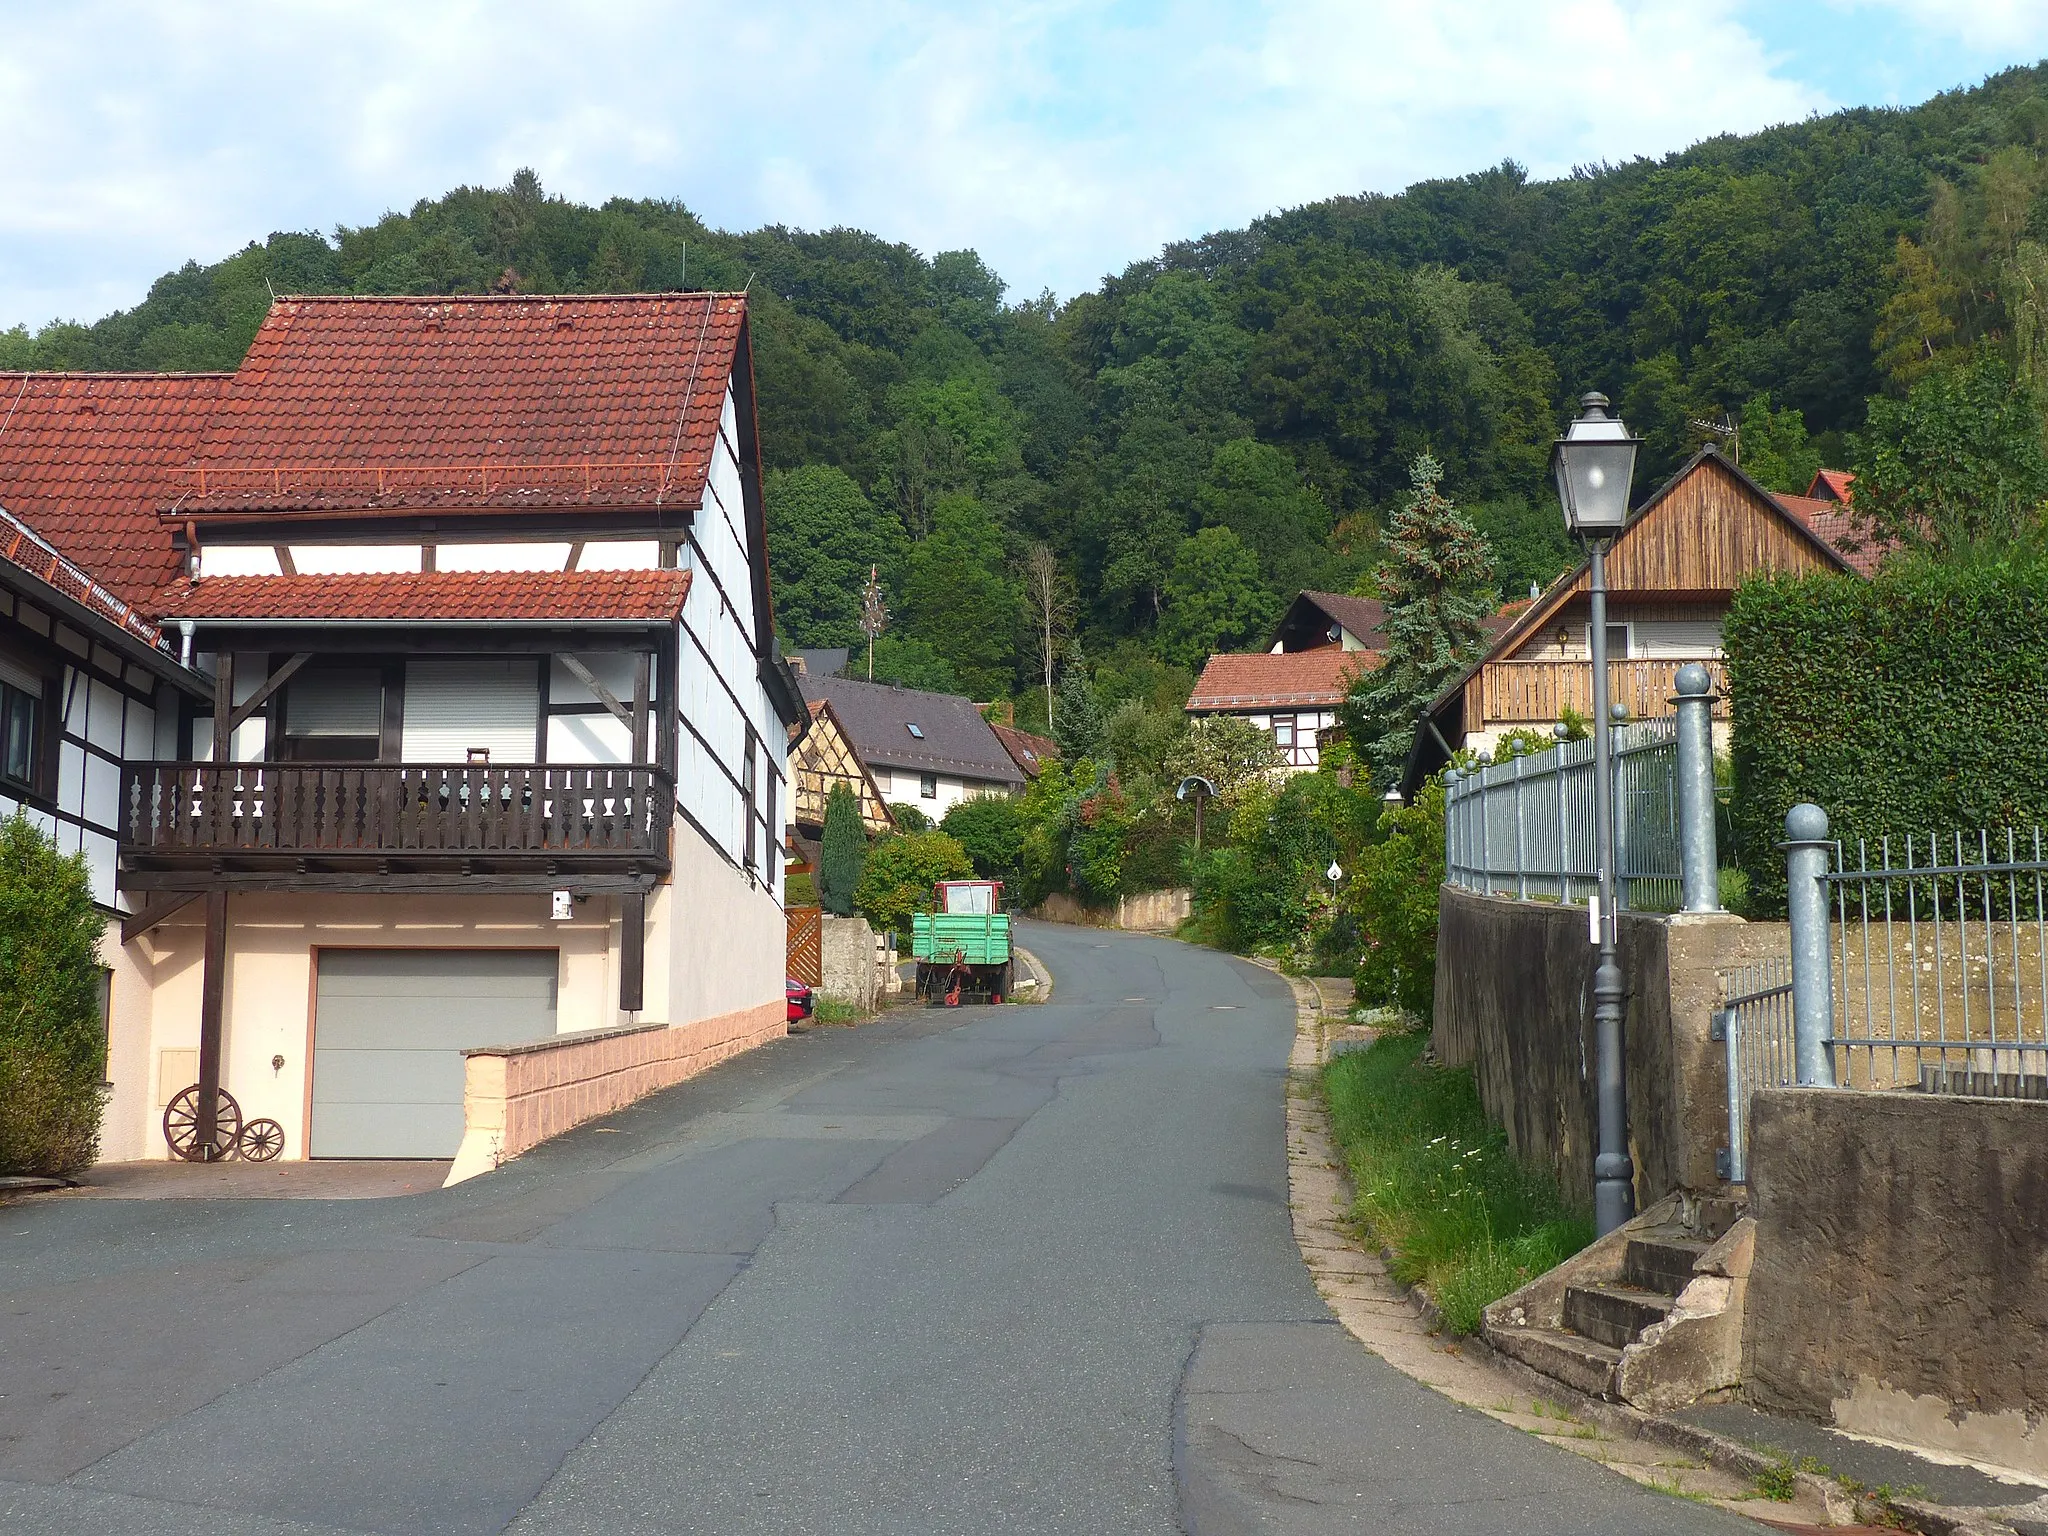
column 453, row 723
column 822, row 761
column 1671, row 573
column 928, row 750
column 1292, row 694
column 1028, row 750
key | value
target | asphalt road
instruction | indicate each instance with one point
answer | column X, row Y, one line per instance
column 1019, row 1269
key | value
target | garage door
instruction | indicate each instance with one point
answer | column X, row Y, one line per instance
column 389, row 1029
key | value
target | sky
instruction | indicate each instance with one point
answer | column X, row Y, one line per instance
column 1061, row 140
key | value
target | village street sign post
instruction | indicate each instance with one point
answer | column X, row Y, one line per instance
column 1594, row 462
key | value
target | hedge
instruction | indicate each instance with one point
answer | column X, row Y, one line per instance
column 1915, row 701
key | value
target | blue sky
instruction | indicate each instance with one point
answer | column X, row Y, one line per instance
column 1062, row 140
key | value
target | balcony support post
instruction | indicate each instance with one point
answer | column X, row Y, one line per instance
column 212, row 997
column 632, row 951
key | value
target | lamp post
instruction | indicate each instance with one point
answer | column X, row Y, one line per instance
column 1594, row 462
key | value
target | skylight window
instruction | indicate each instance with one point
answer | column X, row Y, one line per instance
column 914, row 729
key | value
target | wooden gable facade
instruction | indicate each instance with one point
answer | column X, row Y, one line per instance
column 823, row 758
column 1671, row 575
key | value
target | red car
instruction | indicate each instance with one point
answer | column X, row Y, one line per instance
column 798, row 995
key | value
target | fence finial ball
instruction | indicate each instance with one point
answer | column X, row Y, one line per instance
column 1805, row 823
column 1618, row 713
column 1694, row 680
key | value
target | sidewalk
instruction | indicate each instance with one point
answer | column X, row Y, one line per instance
column 237, row 1180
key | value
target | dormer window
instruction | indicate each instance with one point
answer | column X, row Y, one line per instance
column 915, row 730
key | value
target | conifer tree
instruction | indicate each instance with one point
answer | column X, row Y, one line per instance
column 845, row 852
column 1437, row 585
column 1076, row 717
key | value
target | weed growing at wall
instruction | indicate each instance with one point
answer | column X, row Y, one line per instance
column 1916, row 701
column 1437, row 1185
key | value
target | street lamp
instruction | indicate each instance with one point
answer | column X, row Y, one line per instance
column 1594, row 462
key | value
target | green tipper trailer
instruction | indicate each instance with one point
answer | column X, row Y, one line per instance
column 963, row 948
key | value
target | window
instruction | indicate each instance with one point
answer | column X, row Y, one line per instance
column 21, row 719
column 1283, row 732
column 747, row 783
column 1617, row 641
column 332, row 715
column 914, row 729
column 928, row 786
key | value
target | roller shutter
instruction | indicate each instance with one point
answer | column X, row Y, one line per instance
column 461, row 703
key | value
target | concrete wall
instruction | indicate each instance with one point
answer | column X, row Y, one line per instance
column 846, row 960
column 1900, row 1284
column 1514, row 1001
column 1147, row 912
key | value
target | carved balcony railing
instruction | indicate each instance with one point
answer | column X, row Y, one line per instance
column 390, row 823
column 1539, row 692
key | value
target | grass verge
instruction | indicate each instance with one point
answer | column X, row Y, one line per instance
column 831, row 1010
column 1436, row 1183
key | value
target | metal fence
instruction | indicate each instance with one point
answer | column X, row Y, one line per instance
column 1755, row 1023
column 1938, row 963
column 1524, row 826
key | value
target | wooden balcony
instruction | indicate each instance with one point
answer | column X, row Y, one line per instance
column 1538, row 692
column 390, row 826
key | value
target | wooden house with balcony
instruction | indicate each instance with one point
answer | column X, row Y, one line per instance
column 468, row 730
column 1671, row 575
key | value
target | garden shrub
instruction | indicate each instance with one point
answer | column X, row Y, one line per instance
column 1393, row 899
column 900, row 873
column 991, row 829
column 52, row 1037
column 1915, row 701
column 845, row 851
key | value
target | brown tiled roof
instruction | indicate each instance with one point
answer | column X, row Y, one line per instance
column 369, row 405
column 435, row 596
column 1275, row 680
column 1360, row 615
column 86, row 458
column 22, row 547
column 952, row 737
column 1030, row 753
column 1831, row 523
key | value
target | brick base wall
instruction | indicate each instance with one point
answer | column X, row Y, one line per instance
column 516, row 1097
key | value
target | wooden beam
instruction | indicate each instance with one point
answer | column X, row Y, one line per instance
column 605, row 696
column 285, row 563
column 262, row 696
column 223, row 704
column 632, row 951
column 643, row 668
column 575, row 556
column 212, row 996
column 154, row 911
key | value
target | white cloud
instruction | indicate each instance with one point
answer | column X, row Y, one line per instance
column 1059, row 138
column 2012, row 26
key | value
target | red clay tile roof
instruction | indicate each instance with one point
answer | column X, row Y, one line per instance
column 1831, row 485
column 86, row 458
column 478, row 402
column 1031, row 753
column 1830, row 522
column 1277, row 680
column 435, row 596
column 22, row 547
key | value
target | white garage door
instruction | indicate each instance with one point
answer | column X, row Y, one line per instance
column 389, row 1029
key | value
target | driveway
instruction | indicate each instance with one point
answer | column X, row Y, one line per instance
column 1005, row 1269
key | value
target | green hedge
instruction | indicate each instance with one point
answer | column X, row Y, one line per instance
column 1916, row 701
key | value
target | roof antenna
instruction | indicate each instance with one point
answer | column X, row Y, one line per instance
column 273, row 291
column 748, row 286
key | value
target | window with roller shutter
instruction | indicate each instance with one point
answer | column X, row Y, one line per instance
column 456, row 707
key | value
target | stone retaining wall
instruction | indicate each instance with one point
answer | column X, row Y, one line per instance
column 1146, row 912
column 1514, row 1002
column 517, row 1096
column 1900, row 1285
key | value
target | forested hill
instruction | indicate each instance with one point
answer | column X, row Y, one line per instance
column 1229, row 421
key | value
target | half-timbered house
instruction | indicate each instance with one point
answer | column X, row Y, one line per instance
column 473, row 736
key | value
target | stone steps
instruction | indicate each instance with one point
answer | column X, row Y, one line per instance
column 1661, row 1262
column 1614, row 1315
column 1578, row 1362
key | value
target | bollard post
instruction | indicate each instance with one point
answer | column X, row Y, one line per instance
column 1806, row 848
column 1698, row 857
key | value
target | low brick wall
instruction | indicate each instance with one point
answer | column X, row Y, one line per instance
column 1900, row 1284
column 1514, row 1002
column 517, row 1096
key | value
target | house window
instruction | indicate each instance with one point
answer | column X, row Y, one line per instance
column 1617, row 641
column 332, row 716
column 928, row 786
column 21, row 721
column 1283, row 732
column 747, row 795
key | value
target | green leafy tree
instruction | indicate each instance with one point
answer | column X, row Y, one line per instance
column 1437, row 584
column 1392, row 897
column 991, row 829
column 899, row 875
column 1255, row 491
column 1529, row 543
column 823, row 537
column 1227, row 750
column 959, row 599
column 52, row 1042
column 1776, row 452
column 912, row 663
column 1215, row 600
column 1958, row 464
column 909, row 818
column 844, row 852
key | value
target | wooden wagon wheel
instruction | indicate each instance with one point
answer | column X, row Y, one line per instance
column 181, row 1126
column 261, row 1140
